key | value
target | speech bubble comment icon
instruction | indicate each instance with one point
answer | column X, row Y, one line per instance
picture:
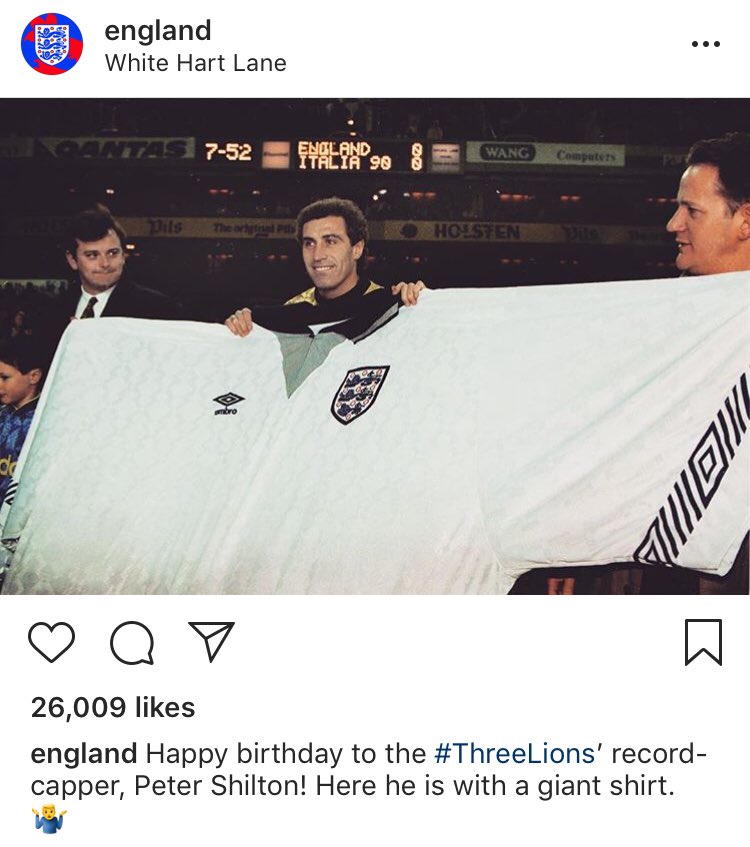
column 132, row 643
column 51, row 640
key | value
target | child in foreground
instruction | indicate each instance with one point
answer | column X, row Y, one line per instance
column 23, row 365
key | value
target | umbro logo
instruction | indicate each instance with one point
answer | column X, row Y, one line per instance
column 227, row 400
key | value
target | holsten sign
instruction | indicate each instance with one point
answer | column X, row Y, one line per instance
column 559, row 155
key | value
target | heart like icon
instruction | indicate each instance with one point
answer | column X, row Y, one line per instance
column 51, row 641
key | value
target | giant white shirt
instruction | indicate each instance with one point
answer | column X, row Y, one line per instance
column 510, row 429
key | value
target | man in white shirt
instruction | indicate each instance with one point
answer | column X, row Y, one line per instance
column 712, row 221
column 712, row 231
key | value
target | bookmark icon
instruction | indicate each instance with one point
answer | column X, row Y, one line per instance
column 703, row 636
column 213, row 634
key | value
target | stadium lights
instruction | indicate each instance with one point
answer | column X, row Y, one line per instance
column 507, row 197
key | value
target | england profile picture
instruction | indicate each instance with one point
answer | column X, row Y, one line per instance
column 51, row 43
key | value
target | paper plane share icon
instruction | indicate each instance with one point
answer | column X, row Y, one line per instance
column 213, row 634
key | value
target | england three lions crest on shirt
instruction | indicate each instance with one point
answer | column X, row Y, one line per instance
column 358, row 392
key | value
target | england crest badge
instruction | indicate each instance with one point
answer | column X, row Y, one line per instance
column 51, row 43
column 358, row 392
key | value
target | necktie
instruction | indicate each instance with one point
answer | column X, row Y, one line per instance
column 88, row 312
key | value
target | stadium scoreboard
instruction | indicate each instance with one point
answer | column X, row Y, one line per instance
column 346, row 155
column 355, row 155
column 359, row 155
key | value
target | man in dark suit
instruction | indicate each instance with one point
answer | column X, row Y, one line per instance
column 94, row 248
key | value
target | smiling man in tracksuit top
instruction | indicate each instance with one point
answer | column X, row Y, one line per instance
column 333, row 236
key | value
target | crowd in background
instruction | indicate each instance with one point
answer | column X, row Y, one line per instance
column 24, row 307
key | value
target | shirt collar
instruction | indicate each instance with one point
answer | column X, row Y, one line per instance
column 101, row 301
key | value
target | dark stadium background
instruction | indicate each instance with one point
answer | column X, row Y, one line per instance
column 216, row 273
